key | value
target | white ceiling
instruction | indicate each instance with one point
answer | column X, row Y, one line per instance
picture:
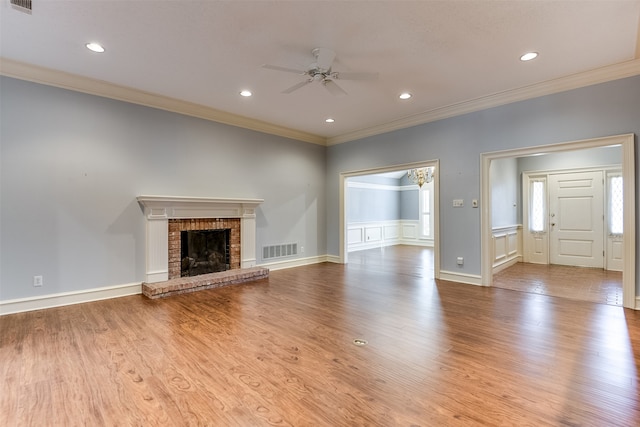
column 444, row 52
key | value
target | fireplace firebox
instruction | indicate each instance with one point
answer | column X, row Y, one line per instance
column 204, row 251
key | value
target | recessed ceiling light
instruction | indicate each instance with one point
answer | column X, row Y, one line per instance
column 246, row 93
column 529, row 56
column 329, row 120
column 405, row 95
column 95, row 47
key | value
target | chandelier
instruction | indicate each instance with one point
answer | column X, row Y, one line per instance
column 420, row 176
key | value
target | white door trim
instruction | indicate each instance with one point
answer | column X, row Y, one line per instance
column 436, row 205
column 626, row 141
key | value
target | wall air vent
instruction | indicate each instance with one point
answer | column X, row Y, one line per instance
column 22, row 5
column 279, row 251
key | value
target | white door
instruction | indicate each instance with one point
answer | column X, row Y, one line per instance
column 576, row 219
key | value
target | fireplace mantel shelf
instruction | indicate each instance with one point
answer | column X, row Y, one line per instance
column 155, row 202
column 178, row 207
column 158, row 210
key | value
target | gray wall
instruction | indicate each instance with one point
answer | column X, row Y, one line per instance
column 409, row 205
column 505, row 200
column 72, row 165
column 381, row 204
column 606, row 109
column 373, row 204
column 593, row 157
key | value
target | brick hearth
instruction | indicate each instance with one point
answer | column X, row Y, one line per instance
column 184, row 285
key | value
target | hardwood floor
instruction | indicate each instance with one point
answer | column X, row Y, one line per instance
column 579, row 283
column 280, row 352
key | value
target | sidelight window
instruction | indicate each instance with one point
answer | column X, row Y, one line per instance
column 615, row 203
column 537, row 205
column 426, row 218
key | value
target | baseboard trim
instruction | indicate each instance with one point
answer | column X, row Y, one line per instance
column 637, row 307
column 298, row 262
column 68, row 298
column 422, row 243
column 334, row 259
column 506, row 264
column 469, row 279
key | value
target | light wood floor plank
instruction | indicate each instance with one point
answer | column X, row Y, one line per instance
column 280, row 352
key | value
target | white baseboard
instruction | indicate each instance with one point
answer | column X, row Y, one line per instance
column 412, row 242
column 498, row 267
column 334, row 258
column 68, row 298
column 298, row 262
column 469, row 279
column 637, row 307
column 371, row 245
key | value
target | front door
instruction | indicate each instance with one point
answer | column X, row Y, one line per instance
column 576, row 219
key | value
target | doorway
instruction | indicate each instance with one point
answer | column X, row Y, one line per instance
column 344, row 177
column 626, row 143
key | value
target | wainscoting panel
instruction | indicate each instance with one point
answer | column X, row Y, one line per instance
column 376, row 234
column 507, row 246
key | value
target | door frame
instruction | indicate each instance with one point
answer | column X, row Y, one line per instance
column 528, row 176
column 406, row 166
column 627, row 142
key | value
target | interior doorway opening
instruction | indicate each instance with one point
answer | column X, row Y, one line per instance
column 359, row 235
column 626, row 142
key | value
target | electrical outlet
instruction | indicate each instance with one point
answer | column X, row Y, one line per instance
column 301, row 249
column 458, row 203
column 474, row 203
column 37, row 280
column 460, row 260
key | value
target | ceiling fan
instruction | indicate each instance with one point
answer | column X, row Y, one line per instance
column 320, row 71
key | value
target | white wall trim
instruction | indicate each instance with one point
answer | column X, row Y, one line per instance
column 469, row 279
column 374, row 186
column 575, row 81
column 47, row 76
column 298, row 262
column 363, row 235
column 334, row 259
column 68, row 298
column 373, row 234
column 507, row 246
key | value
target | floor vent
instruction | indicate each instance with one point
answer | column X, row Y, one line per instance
column 22, row 5
column 279, row 251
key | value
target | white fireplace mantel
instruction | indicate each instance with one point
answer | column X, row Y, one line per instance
column 158, row 210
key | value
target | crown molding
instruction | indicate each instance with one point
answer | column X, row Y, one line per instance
column 47, row 76
column 33, row 73
column 574, row 81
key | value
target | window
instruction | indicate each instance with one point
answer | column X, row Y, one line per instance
column 615, row 205
column 426, row 206
column 537, row 213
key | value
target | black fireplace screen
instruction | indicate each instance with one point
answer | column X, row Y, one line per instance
column 204, row 251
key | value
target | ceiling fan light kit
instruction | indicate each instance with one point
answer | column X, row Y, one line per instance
column 321, row 71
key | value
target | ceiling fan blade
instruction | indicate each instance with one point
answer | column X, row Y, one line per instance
column 333, row 88
column 355, row 76
column 324, row 57
column 285, row 69
column 297, row 86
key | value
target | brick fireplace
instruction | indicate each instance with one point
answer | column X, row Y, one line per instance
column 177, row 226
column 166, row 216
